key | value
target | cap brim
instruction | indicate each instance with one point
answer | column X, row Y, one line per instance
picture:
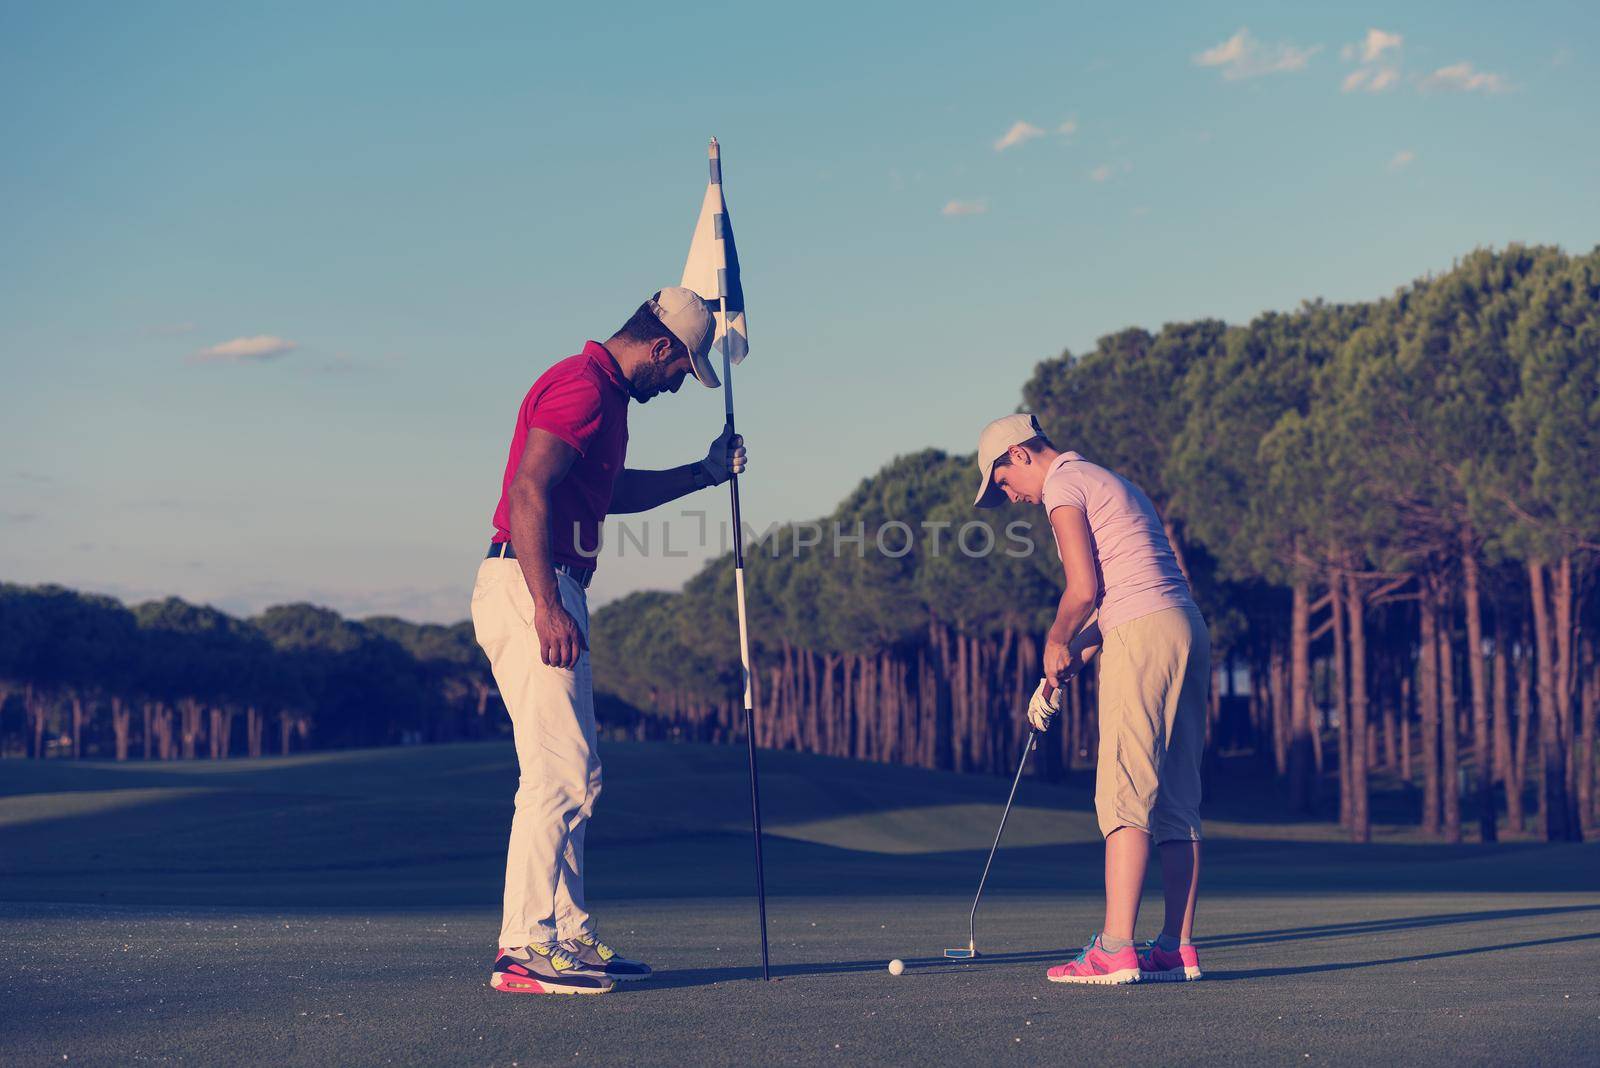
column 703, row 371
column 989, row 495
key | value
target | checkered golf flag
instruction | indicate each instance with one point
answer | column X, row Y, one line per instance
column 713, row 267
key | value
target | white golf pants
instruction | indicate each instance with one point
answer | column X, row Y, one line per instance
column 552, row 720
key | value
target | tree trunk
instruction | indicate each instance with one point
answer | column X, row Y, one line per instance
column 1450, row 736
column 832, row 717
column 37, row 707
column 1301, row 771
column 1318, row 724
column 1340, row 683
column 1360, row 825
column 162, row 725
column 1517, row 778
column 216, row 738
column 1502, row 731
column 1588, row 709
column 1278, row 674
column 1566, row 691
column 189, row 711
column 1258, row 708
column 252, row 730
column 121, row 725
column 146, row 710
column 1405, row 730
column 77, row 726
column 1428, row 704
column 1391, row 740
column 1553, row 807
column 1478, row 675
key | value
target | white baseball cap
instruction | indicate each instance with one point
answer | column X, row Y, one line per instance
column 995, row 441
column 683, row 312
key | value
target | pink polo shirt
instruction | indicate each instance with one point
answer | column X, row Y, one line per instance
column 1134, row 560
column 583, row 400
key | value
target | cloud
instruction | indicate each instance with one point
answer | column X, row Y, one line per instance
column 1402, row 159
column 965, row 207
column 1242, row 56
column 1370, row 80
column 1101, row 173
column 1069, row 127
column 1020, row 131
column 1377, row 43
column 1463, row 78
column 241, row 349
column 1375, row 74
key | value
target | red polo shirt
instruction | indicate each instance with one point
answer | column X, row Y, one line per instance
column 583, row 400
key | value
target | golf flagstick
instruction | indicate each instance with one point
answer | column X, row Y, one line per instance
column 712, row 271
column 744, row 660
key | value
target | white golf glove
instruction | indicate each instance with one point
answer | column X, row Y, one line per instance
column 725, row 459
column 1045, row 704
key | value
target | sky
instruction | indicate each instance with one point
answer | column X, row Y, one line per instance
column 278, row 276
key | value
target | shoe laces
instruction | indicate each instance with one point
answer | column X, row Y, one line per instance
column 593, row 942
column 559, row 958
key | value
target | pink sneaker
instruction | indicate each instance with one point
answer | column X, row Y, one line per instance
column 1156, row 965
column 1096, row 965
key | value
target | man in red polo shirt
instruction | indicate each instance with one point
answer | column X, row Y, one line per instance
column 564, row 475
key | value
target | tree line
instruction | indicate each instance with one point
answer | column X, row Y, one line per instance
column 84, row 675
column 1387, row 511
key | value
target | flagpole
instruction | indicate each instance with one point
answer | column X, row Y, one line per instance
column 712, row 270
column 744, row 653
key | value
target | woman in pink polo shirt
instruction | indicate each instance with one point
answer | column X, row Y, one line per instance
column 1127, row 600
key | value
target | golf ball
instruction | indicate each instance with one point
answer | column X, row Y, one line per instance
column 897, row 966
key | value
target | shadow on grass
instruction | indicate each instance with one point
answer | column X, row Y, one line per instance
column 930, row 966
column 1378, row 927
column 1269, row 973
column 923, row 966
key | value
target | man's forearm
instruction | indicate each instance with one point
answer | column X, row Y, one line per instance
column 530, row 536
column 640, row 491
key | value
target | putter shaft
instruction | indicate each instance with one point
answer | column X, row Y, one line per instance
column 972, row 919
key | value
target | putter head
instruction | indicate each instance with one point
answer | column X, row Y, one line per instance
column 961, row 954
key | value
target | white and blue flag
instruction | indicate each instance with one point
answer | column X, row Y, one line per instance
column 713, row 267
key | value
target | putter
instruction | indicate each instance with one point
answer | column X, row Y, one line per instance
column 971, row 949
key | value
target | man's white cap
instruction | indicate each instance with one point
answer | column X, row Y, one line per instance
column 691, row 322
column 996, row 439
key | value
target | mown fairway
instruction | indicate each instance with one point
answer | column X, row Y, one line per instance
column 341, row 908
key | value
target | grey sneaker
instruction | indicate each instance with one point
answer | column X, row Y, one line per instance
column 545, row 970
column 593, row 953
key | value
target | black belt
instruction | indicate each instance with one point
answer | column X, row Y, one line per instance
column 503, row 550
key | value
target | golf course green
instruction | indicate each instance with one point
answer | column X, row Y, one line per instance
column 340, row 908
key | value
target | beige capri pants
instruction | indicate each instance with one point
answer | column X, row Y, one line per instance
column 1154, row 674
